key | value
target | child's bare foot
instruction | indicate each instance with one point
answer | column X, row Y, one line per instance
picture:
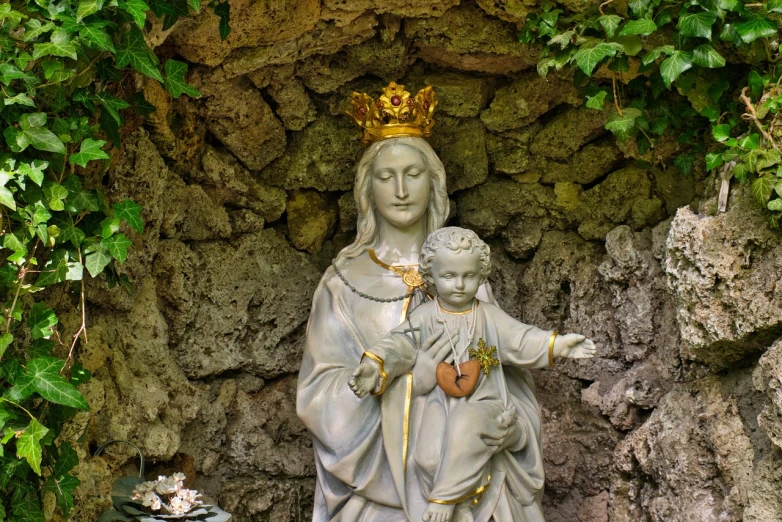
column 438, row 513
column 463, row 513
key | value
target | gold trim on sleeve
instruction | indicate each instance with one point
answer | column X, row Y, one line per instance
column 382, row 371
column 406, row 423
column 551, row 349
column 478, row 494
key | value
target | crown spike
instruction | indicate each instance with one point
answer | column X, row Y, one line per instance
column 394, row 114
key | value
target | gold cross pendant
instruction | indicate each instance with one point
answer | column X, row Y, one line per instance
column 485, row 356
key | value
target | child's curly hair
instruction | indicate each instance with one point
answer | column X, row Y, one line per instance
column 455, row 239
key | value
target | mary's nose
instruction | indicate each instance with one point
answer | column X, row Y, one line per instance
column 401, row 187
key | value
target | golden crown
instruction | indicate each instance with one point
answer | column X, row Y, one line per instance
column 394, row 113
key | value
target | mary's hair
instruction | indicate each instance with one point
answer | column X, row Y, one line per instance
column 455, row 239
column 436, row 211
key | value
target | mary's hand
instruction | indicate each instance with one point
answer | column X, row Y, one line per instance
column 503, row 431
column 434, row 351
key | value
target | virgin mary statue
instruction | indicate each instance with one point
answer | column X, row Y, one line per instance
column 368, row 452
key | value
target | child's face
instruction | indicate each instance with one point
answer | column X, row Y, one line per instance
column 457, row 276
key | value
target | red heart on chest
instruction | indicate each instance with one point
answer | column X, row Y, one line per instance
column 449, row 381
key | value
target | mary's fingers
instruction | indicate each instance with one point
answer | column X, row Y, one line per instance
column 442, row 354
column 442, row 342
column 491, row 442
column 433, row 338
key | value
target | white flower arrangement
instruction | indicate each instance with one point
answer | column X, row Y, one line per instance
column 168, row 495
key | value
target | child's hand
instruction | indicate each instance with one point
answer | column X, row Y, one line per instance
column 574, row 346
column 364, row 379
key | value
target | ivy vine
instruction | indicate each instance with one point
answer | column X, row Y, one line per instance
column 703, row 74
column 63, row 90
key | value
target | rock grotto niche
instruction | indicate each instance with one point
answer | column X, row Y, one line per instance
column 247, row 197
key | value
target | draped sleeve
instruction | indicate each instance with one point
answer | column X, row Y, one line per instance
column 346, row 430
column 521, row 345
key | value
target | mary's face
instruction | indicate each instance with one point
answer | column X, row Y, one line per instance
column 400, row 185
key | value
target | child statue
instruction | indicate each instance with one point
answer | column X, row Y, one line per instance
column 457, row 470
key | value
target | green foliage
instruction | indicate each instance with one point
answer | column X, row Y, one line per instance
column 672, row 70
column 61, row 65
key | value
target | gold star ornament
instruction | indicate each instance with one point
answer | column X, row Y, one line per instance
column 485, row 355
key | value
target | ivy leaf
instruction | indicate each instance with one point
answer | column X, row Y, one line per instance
column 762, row 188
column 32, row 120
column 55, row 270
column 95, row 37
column 642, row 27
column 713, row 160
column 596, row 101
column 721, row 132
column 44, row 139
column 110, row 127
column 696, row 24
column 750, row 142
column 223, row 10
column 5, row 342
column 118, row 247
column 774, row 6
column 610, row 23
column 135, row 52
column 28, row 445
column 21, row 99
column 52, row 386
column 83, row 200
column 140, row 105
column 7, row 198
column 97, row 259
column 60, row 44
column 68, row 232
column 34, row 28
column 130, row 212
column 88, row 151
column 622, row 124
column 112, row 104
column 28, row 510
column 639, row 7
column 34, row 170
column 757, row 27
column 775, row 204
column 16, row 139
column 769, row 158
column 684, row 162
column 706, row 56
column 12, row 242
column 587, row 59
column 88, row 7
column 672, row 67
column 55, row 195
column 41, row 320
column 562, row 39
column 137, row 9
column 62, row 486
column 7, row 13
column 175, row 80
column 109, row 226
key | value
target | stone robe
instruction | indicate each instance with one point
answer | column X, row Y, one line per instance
column 362, row 445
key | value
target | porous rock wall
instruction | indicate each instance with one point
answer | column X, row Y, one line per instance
column 247, row 197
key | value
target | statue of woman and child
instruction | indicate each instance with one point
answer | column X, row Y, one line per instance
column 414, row 384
